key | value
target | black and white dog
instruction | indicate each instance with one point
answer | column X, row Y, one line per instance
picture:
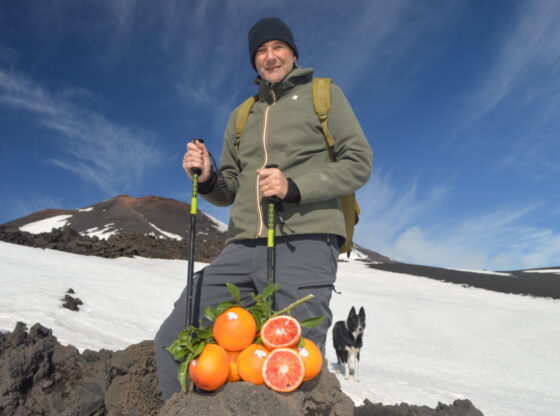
column 347, row 340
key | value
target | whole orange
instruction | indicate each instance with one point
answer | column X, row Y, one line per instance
column 235, row 329
column 250, row 363
column 210, row 370
column 312, row 359
column 233, row 370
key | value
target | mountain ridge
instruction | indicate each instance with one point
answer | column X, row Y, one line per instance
column 133, row 219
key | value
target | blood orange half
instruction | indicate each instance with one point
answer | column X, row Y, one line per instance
column 282, row 331
column 283, row 370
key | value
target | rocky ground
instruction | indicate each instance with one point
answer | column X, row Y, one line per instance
column 38, row 376
column 119, row 245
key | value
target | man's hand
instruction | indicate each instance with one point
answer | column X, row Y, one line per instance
column 197, row 157
column 272, row 182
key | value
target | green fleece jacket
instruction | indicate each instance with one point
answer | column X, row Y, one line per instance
column 283, row 129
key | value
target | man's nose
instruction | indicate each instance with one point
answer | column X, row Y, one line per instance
column 270, row 56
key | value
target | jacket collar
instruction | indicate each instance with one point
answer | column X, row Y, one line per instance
column 297, row 77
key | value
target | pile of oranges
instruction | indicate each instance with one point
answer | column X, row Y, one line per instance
column 278, row 363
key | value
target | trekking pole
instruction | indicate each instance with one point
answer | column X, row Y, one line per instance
column 192, row 233
column 271, row 253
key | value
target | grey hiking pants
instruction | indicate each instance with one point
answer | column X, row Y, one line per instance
column 304, row 264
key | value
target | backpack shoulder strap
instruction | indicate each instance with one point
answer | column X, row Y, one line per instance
column 322, row 103
column 349, row 204
column 242, row 116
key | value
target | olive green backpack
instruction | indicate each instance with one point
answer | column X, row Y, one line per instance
column 321, row 88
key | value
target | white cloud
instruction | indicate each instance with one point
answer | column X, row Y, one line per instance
column 109, row 155
column 406, row 224
column 386, row 211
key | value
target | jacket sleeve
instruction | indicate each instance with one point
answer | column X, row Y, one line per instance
column 223, row 193
column 353, row 154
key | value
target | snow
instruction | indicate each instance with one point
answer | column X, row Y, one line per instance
column 222, row 227
column 46, row 225
column 425, row 342
column 557, row 271
column 103, row 233
column 88, row 209
column 483, row 272
column 166, row 233
column 355, row 254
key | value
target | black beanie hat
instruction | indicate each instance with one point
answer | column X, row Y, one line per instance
column 268, row 29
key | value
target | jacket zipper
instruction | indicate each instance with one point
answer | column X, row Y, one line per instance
column 261, row 226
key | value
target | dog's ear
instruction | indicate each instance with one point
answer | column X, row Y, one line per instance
column 352, row 312
column 362, row 312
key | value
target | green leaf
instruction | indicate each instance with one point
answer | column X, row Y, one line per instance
column 186, row 340
column 312, row 322
column 201, row 331
column 270, row 289
column 172, row 347
column 205, row 336
column 210, row 313
column 198, row 348
column 258, row 315
column 182, row 374
column 234, row 292
column 184, row 334
column 224, row 306
column 177, row 350
column 300, row 343
column 180, row 354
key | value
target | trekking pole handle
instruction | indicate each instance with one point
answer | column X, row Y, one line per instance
column 272, row 199
column 197, row 171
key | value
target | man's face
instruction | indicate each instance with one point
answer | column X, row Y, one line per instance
column 274, row 60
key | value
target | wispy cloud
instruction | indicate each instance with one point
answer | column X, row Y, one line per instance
column 98, row 150
column 403, row 226
column 518, row 100
column 375, row 40
column 527, row 54
column 20, row 207
column 495, row 241
column 387, row 211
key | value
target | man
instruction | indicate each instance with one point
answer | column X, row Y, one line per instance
column 282, row 129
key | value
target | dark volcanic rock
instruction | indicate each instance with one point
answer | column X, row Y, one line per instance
column 71, row 303
column 458, row 408
column 38, row 376
column 320, row 396
column 119, row 245
column 373, row 256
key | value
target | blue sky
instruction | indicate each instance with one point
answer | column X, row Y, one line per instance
column 460, row 101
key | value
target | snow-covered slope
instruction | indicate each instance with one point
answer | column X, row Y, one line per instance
column 426, row 341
